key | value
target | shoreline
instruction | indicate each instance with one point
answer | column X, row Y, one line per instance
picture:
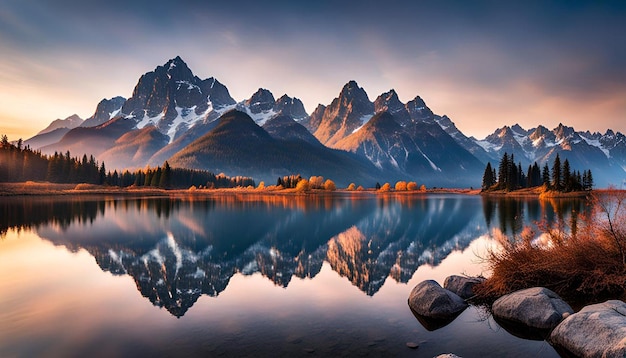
column 30, row 188
column 536, row 192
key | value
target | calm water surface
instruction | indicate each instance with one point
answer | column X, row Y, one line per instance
column 248, row 275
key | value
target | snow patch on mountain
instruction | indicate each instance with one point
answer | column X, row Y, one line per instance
column 364, row 119
column 488, row 146
column 432, row 165
column 596, row 143
column 261, row 117
column 115, row 113
column 145, row 120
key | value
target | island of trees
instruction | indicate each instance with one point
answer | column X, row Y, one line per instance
column 511, row 177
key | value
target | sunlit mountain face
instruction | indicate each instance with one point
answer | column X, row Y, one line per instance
column 178, row 250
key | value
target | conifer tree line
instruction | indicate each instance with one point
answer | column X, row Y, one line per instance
column 19, row 164
column 510, row 176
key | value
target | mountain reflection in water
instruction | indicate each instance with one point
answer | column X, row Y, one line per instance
column 179, row 249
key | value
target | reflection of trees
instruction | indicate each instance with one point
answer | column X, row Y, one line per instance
column 25, row 213
column 514, row 213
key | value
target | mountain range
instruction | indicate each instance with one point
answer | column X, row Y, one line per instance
column 173, row 115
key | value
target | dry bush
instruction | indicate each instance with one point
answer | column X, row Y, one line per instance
column 400, row 186
column 411, row 186
column 582, row 264
column 329, row 185
column 303, row 186
column 385, row 188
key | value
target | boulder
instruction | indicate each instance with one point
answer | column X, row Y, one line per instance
column 595, row 331
column 430, row 300
column 537, row 308
column 462, row 285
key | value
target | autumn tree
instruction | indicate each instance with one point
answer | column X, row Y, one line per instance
column 385, row 187
column 303, row 186
column 316, row 182
column 400, row 186
column 329, row 185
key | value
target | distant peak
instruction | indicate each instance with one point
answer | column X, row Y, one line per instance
column 262, row 95
column 352, row 90
column 390, row 95
column 262, row 90
column 176, row 61
column 418, row 102
column 351, row 84
column 74, row 117
column 518, row 128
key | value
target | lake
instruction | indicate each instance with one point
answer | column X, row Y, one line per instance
column 249, row 275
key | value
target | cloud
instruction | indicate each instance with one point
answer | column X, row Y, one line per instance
column 484, row 63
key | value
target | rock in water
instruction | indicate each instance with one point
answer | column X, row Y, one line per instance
column 537, row 307
column 596, row 331
column 430, row 300
column 462, row 285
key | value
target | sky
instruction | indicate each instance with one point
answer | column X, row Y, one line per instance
column 485, row 64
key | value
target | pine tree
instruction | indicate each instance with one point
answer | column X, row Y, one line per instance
column 567, row 176
column 545, row 176
column 102, row 174
column 537, row 175
column 503, row 170
column 165, row 180
column 521, row 179
column 488, row 179
column 557, row 177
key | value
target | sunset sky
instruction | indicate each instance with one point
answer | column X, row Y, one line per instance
column 483, row 63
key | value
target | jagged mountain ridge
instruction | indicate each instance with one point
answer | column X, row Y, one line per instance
column 408, row 140
column 183, row 108
column 601, row 153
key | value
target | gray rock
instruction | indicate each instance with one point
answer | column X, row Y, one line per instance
column 430, row 300
column 462, row 285
column 449, row 355
column 536, row 307
column 596, row 331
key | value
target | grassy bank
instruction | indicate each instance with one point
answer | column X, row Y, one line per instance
column 583, row 263
column 538, row 191
column 46, row 188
